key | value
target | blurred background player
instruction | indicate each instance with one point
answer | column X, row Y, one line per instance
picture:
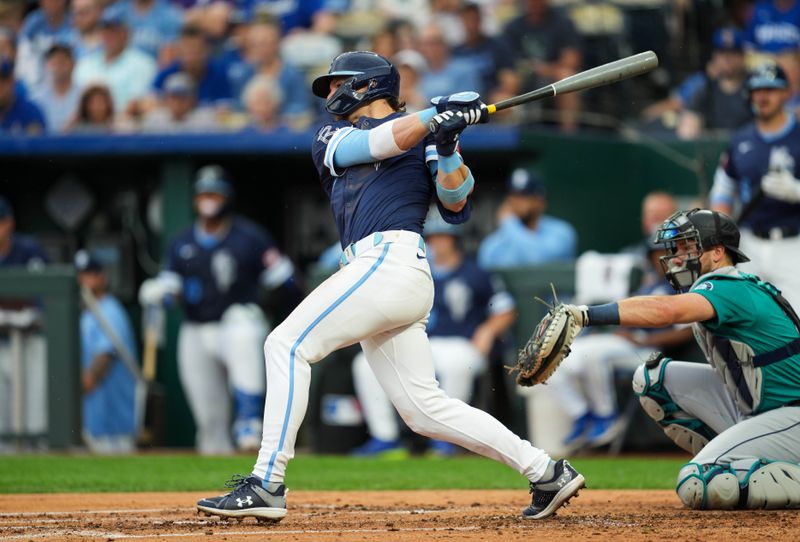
column 471, row 309
column 759, row 172
column 584, row 384
column 110, row 412
column 216, row 268
column 525, row 234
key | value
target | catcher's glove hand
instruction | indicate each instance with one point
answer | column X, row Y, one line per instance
column 549, row 344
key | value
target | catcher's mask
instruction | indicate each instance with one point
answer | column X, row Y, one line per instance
column 699, row 229
column 369, row 77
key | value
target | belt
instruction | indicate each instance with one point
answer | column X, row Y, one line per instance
column 778, row 232
column 400, row 237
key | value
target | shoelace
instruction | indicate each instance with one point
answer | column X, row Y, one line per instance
column 236, row 483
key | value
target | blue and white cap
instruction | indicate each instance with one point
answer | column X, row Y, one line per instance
column 212, row 180
column 523, row 181
column 769, row 75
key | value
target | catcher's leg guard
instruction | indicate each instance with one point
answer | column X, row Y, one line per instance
column 713, row 487
column 687, row 432
column 774, row 484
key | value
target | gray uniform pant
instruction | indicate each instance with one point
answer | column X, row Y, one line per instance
column 741, row 440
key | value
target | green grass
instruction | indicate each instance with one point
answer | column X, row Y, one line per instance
column 178, row 472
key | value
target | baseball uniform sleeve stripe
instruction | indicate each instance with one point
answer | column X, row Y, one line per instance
column 724, row 188
column 330, row 150
column 299, row 341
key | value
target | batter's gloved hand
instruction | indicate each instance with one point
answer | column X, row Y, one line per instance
column 469, row 103
column 781, row 185
column 152, row 292
column 446, row 128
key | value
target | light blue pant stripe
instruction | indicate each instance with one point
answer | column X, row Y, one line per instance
column 297, row 343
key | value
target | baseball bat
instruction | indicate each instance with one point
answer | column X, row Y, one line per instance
column 598, row 76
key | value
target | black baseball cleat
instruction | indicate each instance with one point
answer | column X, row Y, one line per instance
column 249, row 498
column 550, row 495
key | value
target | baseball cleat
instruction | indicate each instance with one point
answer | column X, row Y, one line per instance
column 249, row 498
column 550, row 495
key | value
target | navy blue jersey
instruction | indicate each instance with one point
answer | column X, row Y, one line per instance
column 748, row 158
column 392, row 194
column 24, row 252
column 216, row 277
column 464, row 298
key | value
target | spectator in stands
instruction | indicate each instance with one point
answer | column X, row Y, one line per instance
column 17, row 249
column 95, row 112
column 773, row 34
column 58, row 96
column 262, row 57
column 126, row 71
column 547, row 49
column 180, row 112
column 445, row 74
column 657, row 206
column 412, row 66
column 584, row 387
column 86, row 20
column 526, row 236
column 194, row 59
column 471, row 310
column 491, row 57
column 12, row 13
column 42, row 27
column 721, row 103
column 110, row 420
column 154, row 25
column 8, row 50
column 262, row 99
column 18, row 115
column 315, row 15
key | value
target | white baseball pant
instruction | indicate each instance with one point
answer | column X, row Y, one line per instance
column 381, row 299
column 776, row 261
column 456, row 363
column 215, row 358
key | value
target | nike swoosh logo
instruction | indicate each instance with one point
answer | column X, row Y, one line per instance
column 420, row 257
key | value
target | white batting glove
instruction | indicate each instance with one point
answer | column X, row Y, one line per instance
column 781, row 185
column 152, row 292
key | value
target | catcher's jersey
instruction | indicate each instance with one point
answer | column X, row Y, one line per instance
column 464, row 298
column 391, row 194
column 219, row 273
column 746, row 312
column 749, row 157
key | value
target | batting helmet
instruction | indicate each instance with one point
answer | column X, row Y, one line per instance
column 768, row 75
column 706, row 229
column 363, row 69
column 212, row 180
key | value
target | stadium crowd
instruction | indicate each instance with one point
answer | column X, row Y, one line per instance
column 171, row 66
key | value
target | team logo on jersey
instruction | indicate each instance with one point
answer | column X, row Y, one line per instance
column 705, row 286
column 186, row 251
column 325, row 134
column 458, row 298
column 780, row 159
column 223, row 269
column 744, row 147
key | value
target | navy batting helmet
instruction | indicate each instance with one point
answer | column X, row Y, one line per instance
column 212, row 180
column 363, row 69
column 767, row 76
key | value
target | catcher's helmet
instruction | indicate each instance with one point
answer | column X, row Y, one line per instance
column 364, row 69
column 705, row 229
column 769, row 75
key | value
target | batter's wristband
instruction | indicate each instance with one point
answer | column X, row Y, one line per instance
column 426, row 115
column 455, row 195
column 603, row 315
column 450, row 163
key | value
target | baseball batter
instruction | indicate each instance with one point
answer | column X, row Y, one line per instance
column 470, row 310
column 216, row 268
column 381, row 168
column 739, row 415
column 759, row 170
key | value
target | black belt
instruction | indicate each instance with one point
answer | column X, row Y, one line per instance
column 778, row 232
column 794, row 403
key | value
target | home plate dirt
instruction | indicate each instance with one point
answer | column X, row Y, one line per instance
column 387, row 515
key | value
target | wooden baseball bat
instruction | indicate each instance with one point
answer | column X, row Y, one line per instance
column 604, row 74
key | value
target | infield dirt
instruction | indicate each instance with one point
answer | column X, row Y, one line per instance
column 395, row 516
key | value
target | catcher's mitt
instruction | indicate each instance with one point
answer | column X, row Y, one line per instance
column 548, row 346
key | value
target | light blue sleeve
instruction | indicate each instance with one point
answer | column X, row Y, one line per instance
column 351, row 148
column 99, row 341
